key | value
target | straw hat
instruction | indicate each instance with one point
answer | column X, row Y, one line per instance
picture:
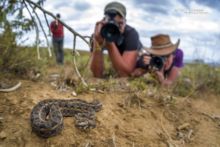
column 161, row 45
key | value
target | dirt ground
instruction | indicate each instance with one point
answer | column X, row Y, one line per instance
column 127, row 119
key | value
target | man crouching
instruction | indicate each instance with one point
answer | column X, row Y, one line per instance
column 120, row 40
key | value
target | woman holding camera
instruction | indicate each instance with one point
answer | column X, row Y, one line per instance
column 163, row 58
column 120, row 40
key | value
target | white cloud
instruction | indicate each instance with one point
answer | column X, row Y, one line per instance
column 193, row 24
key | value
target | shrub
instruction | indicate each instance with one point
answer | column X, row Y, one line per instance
column 14, row 59
column 198, row 78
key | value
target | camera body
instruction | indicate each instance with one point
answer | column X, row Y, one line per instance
column 156, row 62
column 110, row 31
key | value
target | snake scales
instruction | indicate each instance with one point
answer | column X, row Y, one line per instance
column 47, row 115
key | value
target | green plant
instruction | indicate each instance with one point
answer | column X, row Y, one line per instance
column 15, row 59
column 198, row 78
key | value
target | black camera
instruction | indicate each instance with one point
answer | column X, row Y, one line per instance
column 110, row 31
column 156, row 62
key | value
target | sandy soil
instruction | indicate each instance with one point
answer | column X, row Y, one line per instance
column 128, row 118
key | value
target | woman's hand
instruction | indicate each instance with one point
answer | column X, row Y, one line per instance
column 160, row 76
column 146, row 59
column 138, row 72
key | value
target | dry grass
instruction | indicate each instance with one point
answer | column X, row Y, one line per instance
column 195, row 78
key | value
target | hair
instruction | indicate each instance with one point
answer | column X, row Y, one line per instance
column 58, row 15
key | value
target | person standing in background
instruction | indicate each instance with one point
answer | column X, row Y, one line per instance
column 57, row 31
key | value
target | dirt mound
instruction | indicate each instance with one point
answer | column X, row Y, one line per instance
column 128, row 118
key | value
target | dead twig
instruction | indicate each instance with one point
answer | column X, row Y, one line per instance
column 183, row 126
column 169, row 140
column 42, row 28
column 190, row 134
column 13, row 88
column 87, row 144
column 37, row 30
column 64, row 24
column 212, row 116
column 74, row 62
column 113, row 139
column 31, row 3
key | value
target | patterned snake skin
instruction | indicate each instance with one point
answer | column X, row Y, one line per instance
column 47, row 115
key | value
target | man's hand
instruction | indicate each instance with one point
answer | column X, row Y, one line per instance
column 97, row 33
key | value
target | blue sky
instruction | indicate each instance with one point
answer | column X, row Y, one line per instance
column 195, row 22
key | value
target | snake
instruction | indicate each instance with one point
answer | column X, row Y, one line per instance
column 47, row 115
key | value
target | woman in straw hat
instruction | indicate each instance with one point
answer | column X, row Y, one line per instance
column 168, row 56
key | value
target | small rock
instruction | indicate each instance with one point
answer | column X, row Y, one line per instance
column 37, row 75
column 3, row 135
column 92, row 89
column 1, row 120
column 187, row 80
column 74, row 93
column 54, row 76
column 101, row 91
column 53, row 84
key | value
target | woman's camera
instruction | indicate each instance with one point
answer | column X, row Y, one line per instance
column 156, row 62
column 110, row 31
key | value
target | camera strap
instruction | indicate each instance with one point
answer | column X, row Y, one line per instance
column 166, row 72
column 120, row 40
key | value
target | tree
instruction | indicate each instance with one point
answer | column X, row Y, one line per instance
column 21, row 24
column 15, row 8
column 11, row 14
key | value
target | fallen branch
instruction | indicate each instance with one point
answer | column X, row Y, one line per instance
column 74, row 62
column 212, row 116
column 113, row 140
column 169, row 140
column 42, row 28
column 190, row 134
column 13, row 88
column 70, row 29
column 64, row 24
column 45, row 17
column 37, row 31
column 87, row 144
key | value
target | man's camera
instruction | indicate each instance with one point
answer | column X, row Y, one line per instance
column 110, row 31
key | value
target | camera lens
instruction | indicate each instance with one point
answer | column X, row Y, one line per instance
column 110, row 31
column 156, row 62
